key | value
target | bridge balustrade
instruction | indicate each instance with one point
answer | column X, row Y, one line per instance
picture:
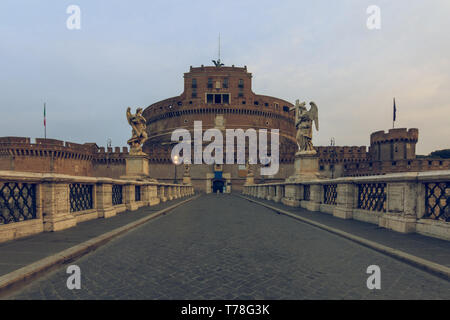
column 413, row 202
column 31, row 203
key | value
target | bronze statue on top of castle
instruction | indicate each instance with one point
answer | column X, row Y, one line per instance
column 303, row 122
column 217, row 63
column 139, row 134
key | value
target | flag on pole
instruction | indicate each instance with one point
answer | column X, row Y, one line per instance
column 394, row 115
column 395, row 110
column 45, row 124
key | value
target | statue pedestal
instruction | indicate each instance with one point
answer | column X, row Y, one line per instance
column 250, row 180
column 186, row 180
column 306, row 167
column 137, row 168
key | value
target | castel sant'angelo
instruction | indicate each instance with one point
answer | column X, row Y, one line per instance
column 221, row 97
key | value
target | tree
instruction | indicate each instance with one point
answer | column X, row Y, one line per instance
column 444, row 154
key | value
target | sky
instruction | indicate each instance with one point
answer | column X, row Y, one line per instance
column 134, row 53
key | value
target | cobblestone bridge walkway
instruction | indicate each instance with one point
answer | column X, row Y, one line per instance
column 225, row 247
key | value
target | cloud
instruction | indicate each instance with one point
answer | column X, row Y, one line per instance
column 136, row 55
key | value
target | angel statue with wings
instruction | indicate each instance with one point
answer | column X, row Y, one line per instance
column 139, row 133
column 303, row 123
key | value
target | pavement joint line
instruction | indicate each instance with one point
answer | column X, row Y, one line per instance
column 432, row 267
column 23, row 275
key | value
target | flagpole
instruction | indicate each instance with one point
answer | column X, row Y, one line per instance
column 394, row 115
column 45, row 124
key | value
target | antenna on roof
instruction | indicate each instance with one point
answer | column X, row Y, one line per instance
column 218, row 63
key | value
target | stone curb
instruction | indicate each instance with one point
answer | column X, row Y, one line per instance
column 31, row 271
column 432, row 267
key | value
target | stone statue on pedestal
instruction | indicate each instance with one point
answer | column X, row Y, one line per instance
column 306, row 164
column 250, row 179
column 139, row 133
column 187, row 169
column 249, row 169
column 303, row 122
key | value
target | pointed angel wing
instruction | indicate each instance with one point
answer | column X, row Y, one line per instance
column 314, row 114
column 129, row 115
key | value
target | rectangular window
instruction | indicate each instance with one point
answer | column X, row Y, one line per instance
column 226, row 98
column 194, row 83
column 241, row 83
column 285, row 108
column 209, row 98
column 194, row 94
column 225, row 83
column 217, row 98
column 210, row 83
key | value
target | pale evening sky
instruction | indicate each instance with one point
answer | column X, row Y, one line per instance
column 134, row 53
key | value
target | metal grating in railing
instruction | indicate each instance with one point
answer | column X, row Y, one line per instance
column 80, row 197
column 437, row 198
column 137, row 193
column 372, row 196
column 306, row 192
column 17, row 202
column 330, row 193
column 117, row 197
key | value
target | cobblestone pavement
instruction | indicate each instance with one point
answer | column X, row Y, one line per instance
column 224, row 247
column 22, row 252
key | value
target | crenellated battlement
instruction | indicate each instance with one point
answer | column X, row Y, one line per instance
column 57, row 156
column 393, row 135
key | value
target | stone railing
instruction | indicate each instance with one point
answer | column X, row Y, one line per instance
column 35, row 202
column 404, row 202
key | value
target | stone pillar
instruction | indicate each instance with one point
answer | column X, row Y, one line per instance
column 169, row 190
column 153, row 195
column 174, row 192
column 270, row 192
column 104, row 199
column 278, row 193
column 129, row 197
column 145, row 195
column 292, row 195
column 347, row 197
column 315, row 197
column 261, row 192
column 162, row 193
column 56, row 206
column 306, row 167
column 402, row 207
column 136, row 167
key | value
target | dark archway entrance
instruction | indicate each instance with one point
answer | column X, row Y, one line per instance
column 218, row 185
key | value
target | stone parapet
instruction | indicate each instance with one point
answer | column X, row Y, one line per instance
column 414, row 202
column 54, row 202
